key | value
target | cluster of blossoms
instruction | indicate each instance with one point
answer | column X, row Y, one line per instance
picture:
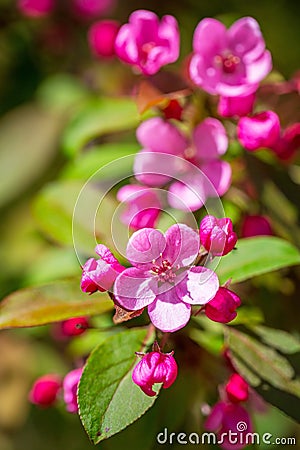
column 164, row 276
column 47, row 390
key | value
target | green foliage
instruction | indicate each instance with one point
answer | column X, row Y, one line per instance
column 272, row 374
column 255, row 256
column 109, row 401
column 97, row 118
column 50, row 303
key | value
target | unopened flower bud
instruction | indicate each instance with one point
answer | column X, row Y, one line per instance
column 236, row 106
column 256, row 226
column 217, row 235
column 102, row 36
column 45, row 390
column 260, row 130
column 155, row 367
column 222, row 308
column 237, row 389
column 74, row 326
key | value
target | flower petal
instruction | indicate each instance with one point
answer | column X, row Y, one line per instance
column 161, row 136
column 134, row 289
column 154, row 169
column 199, row 286
column 210, row 37
column 245, row 39
column 144, row 246
column 168, row 313
column 219, row 173
column 182, row 245
column 190, row 193
column 210, row 139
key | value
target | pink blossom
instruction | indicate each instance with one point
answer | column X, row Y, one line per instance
column 229, row 62
column 260, row 130
column 225, row 417
column 143, row 206
column 163, row 276
column 99, row 275
column 217, row 235
column 237, row 389
column 90, row 9
column 236, row 106
column 70, row 386
column 256, row 226
column 155, row 367
column 147, row 43
column 74, row 326
column 288, row 144
column 35, row 8
column 222, row 308
column 199, row 171
column 45, row 390
column 102, row 36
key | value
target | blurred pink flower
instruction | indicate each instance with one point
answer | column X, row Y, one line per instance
column 36, row 8
column 226, row 417
column 229, row 62
column 217, row 235
column 100, row 274
column 70, row 386
column 237, row 389
column 236, row 106
column 45, row 390
column 153, row 167
column 143, row 206
column 147, row 43
column 256, row 226
column 91, row 9
column 288, row 144
column 222, row 308
column 163, row 277
column 102, row 36
column 258, row 131
column 155, row 367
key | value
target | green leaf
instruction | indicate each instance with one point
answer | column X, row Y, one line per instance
column 75, row 214
column 105, row 157
column 50, row 303
column 28, row 144
column 97, row 118
column 279, row 339
column 109, row 401
column 275, row 372
column 255, row 256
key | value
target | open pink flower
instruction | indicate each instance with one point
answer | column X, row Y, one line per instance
column 147, row 43
column 222, row 308
column 70, row 386
column 163, row 277
column 155, row 367
column 217, row 235
column 143, row 206
column 226, row 418
column 99, row 275
column 35, row 8
column 229, row 62
column 260, row 130
column 45, row 389
column 196, row 166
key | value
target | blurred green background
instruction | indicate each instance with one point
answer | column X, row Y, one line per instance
column 46, row 74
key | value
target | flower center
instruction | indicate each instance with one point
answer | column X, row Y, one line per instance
column 163, row 271
column 146, row 49
column 228, row 62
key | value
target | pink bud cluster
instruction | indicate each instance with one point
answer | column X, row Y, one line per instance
column 47, row 390
column 228, row 413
